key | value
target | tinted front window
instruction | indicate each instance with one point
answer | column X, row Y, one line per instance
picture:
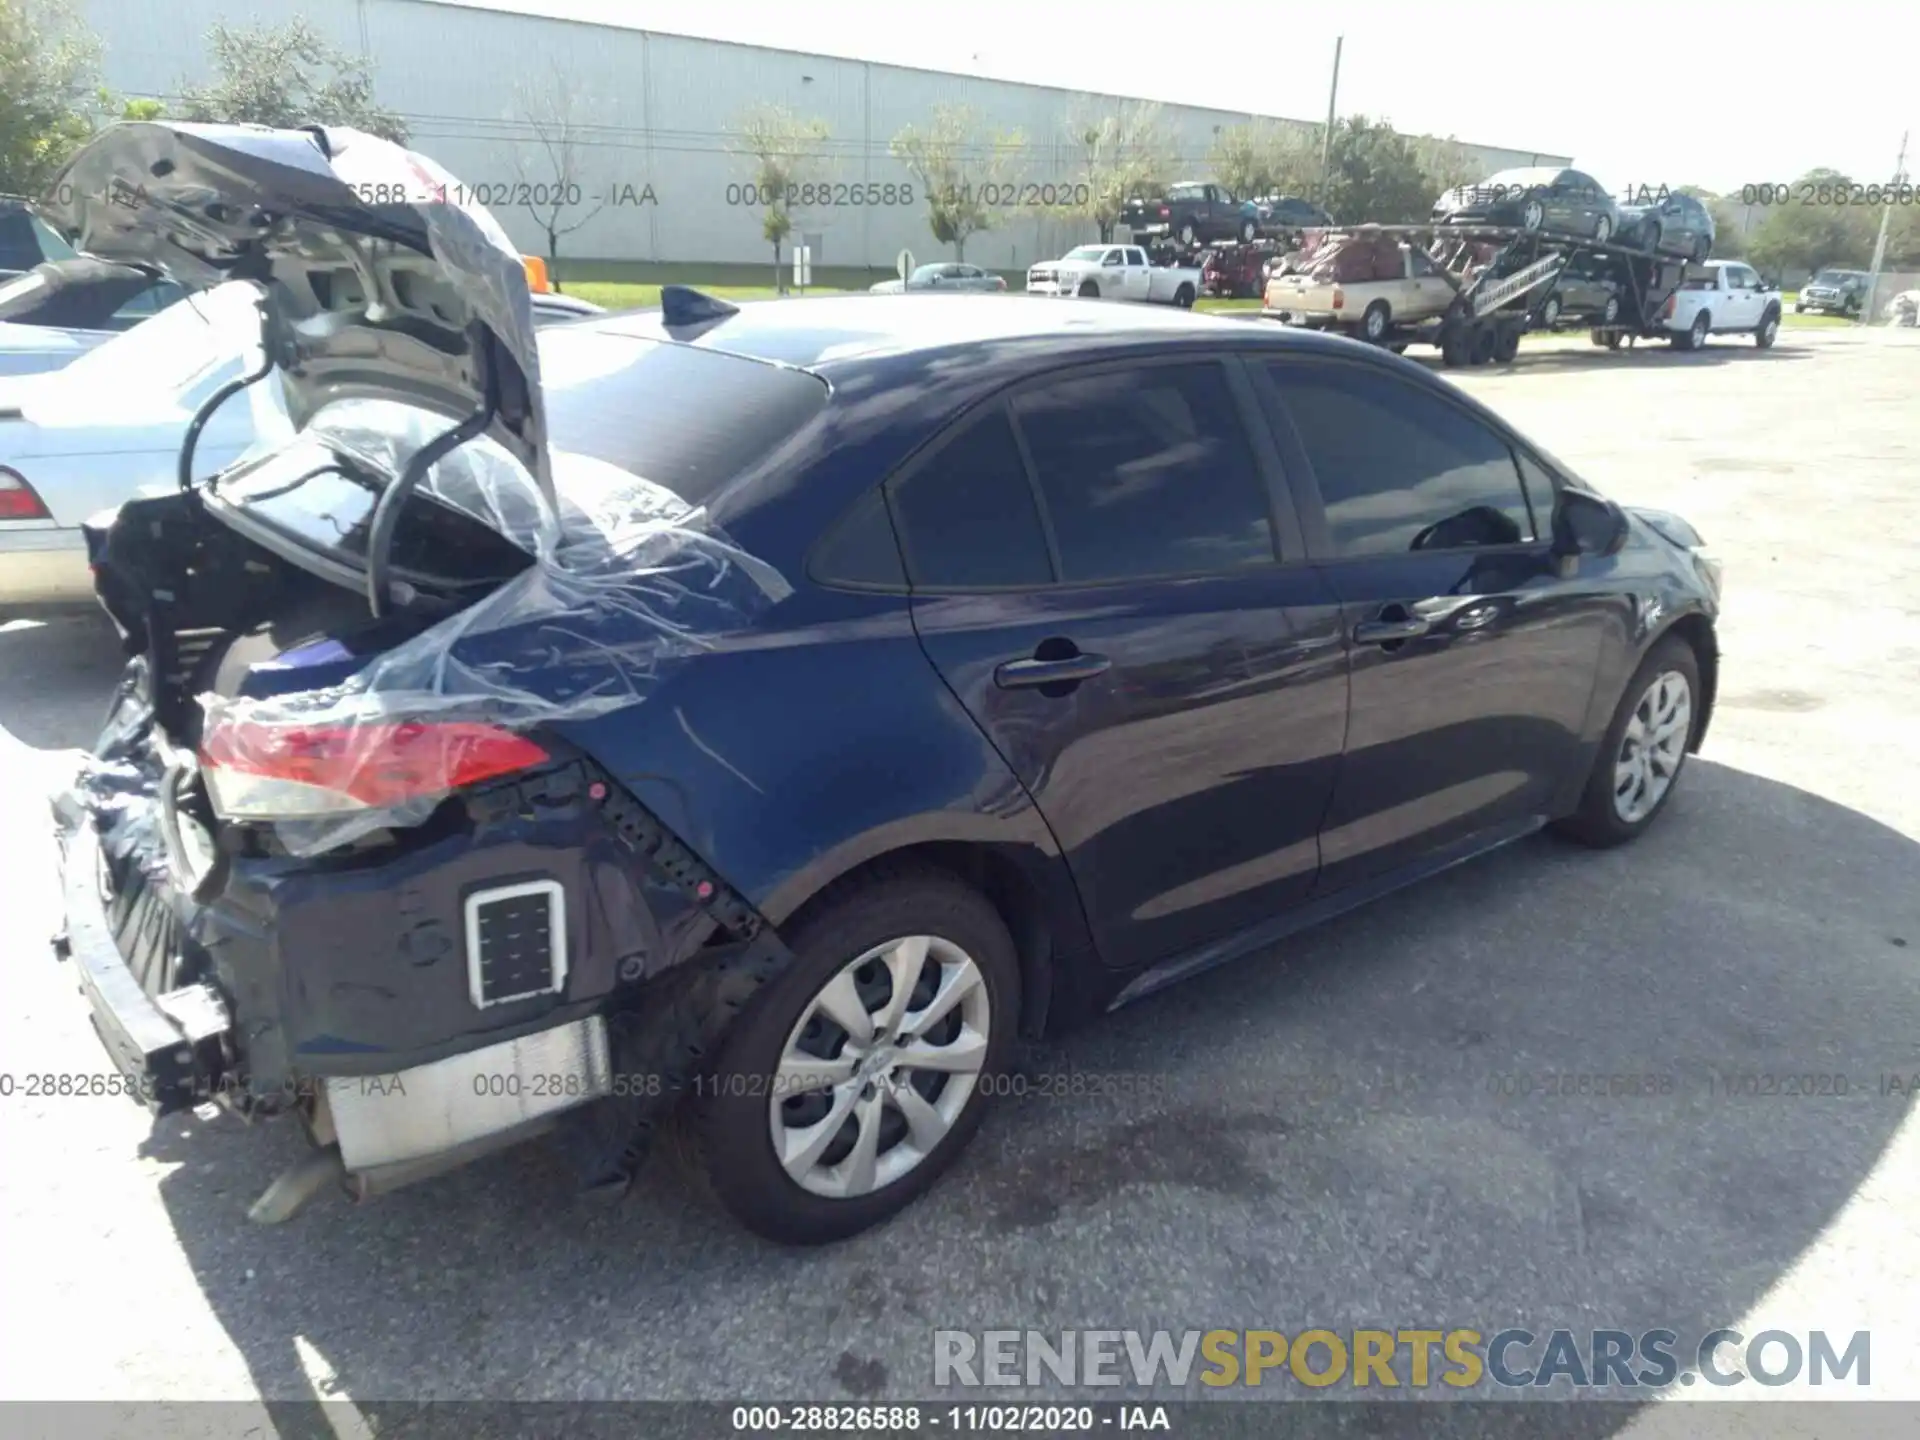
column 1400, row 469
column 1147, row 472
column 965, row 516
column 690, row 419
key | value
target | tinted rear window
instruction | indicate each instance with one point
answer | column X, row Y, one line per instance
column 687, row 418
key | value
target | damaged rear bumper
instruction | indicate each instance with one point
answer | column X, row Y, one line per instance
column 358, row 997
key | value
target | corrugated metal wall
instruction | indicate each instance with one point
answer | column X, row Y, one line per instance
column 652, row 115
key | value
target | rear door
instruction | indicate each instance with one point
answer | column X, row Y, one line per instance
column 1139, row 275
column 1109, row 577
column 1473, row 661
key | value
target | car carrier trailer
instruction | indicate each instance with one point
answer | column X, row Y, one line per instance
column 1501, row 276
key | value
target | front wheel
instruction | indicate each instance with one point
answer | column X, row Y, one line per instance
column 1769, row 330
column 1532, row 215
column 1247, row 231
column 1610, row 312
column 1089, row 290
column 1603, row 230
column 1187, row 233
column 1646, row 746
column 860, row 1074
column 1550, row 313
column 1653, row 237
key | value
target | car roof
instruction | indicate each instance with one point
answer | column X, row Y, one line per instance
column 832, row 332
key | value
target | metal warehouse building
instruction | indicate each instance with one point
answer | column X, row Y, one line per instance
column 653, row 115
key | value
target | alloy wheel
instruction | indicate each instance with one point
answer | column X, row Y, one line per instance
column 1532, row 215
column 879, row 1066
column 1653, row 747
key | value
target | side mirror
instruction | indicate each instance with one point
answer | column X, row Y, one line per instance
column 1587, row 524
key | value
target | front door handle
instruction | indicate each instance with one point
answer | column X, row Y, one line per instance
column 1389, row 632
column 1068, row 670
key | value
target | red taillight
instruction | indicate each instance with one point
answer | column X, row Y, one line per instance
column 999, row 282
column 260, row 771
column 1165, row 213
column 18, row 500
column 1339, row 298
column 1666, row 312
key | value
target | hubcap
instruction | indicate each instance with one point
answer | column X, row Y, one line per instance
column 879, row 1066
column 1532, row 215
column 1653, row 747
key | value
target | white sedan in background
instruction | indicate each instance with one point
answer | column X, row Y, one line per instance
column 108, row 428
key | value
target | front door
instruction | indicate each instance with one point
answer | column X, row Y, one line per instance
column 1102, row 575
column 1473, row 662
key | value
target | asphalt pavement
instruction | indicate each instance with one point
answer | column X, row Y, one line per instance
column 1362, row 1128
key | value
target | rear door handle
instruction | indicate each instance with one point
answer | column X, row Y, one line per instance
column 1028, row 674
column 1386, row 632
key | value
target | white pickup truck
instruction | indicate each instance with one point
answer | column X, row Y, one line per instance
column 1721, row 297
column 1114, row 272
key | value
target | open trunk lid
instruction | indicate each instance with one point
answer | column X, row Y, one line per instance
column 377, row 282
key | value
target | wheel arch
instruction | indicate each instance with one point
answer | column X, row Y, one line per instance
column 1060, row 976
column 1696, row 629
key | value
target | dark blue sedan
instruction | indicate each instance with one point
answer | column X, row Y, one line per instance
column 881, row 679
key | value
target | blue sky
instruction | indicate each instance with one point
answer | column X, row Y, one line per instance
column 1639, row 94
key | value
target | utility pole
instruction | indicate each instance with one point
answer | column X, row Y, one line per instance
column 1326, row 137
column 1880, row 245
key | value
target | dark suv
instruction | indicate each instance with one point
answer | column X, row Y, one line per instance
column 961, row 668
column 1833, row 292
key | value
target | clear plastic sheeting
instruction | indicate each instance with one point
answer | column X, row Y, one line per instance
column 626, row 580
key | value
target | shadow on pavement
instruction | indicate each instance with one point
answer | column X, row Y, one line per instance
column 1363, row 1129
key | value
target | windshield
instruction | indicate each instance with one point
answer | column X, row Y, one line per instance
column 175, row 350
column 1837, row 277
column 1087, row 252
column 685, row 419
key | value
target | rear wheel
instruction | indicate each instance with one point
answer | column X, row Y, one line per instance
column 1480, row 345
column 1454, row 347
column 1603, row 230
column 1550, row 313
column 1696, row 334
column 1610, row 312
column 1532, row 215
column 1702, row 247
column 1506, row 344
column 1247, row 231
column 1183, row 297
column 1187, row 235
column 1653, row 237
column 1645, row 748
column 857, row 1077
column 1373, row 324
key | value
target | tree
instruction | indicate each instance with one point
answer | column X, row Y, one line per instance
column 48, row 59
column 1118, row 154
column 788, row 155
column 1800, row 232
column 1446, row 163
column 287, row 76
column 1263, row 158
column 963, row 170
column 1374, row 172
column 551, row 177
